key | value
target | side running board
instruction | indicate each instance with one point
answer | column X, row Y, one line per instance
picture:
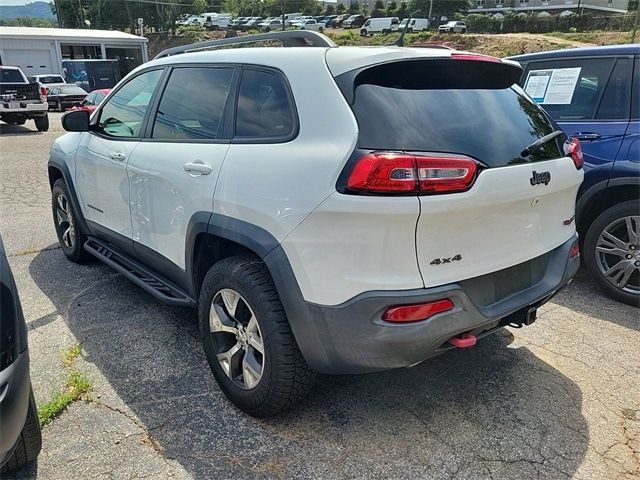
column 151, row 282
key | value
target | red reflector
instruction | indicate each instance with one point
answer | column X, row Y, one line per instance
column 415, row 313
column 388, row 172
column 575, row 250
column 573, row 148
column 474, row 57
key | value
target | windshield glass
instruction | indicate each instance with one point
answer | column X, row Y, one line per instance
column 72, row 90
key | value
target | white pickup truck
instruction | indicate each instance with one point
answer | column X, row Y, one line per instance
column 21, row 101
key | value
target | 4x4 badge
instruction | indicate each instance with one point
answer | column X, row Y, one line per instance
column 538, row 178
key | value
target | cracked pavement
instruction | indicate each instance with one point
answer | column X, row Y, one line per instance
column 559, row 399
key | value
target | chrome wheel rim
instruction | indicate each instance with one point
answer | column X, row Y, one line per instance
column 237, row 339
column 618, row 254
column 64, row 218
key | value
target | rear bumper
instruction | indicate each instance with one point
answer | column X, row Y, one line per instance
column 14, row 403
column 24, row 108
column 352, row 337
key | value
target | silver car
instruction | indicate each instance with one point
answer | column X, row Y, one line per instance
column 453, row 27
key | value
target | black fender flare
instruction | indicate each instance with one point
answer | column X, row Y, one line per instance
column 270, row 251
column 68, row 179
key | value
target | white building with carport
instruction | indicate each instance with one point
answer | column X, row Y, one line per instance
column 42, row 50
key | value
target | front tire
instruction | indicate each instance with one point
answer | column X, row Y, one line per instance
column 42, row 123
column 65, row 220
column 29, row 442
column 248, row 341
column 612, row 251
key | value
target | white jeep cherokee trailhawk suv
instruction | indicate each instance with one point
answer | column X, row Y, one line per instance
column 327, row 209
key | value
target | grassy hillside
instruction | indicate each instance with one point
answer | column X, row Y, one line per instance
column 35, row 10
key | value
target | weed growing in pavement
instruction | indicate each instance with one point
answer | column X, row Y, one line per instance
column 76, row 387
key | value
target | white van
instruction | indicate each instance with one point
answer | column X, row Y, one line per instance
column 289, row 18
column 380, row 25
column 216, row 22
column 416, row 25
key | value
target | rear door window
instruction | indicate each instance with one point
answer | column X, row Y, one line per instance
column 465, row 107
column 616, row 99
column 185, row 115
column 265, row 108
column 569, row 89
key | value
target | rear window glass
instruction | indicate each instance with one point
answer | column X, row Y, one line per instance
column 451, row 107
column 51, row 79
column 10, row 76
column 264, row 107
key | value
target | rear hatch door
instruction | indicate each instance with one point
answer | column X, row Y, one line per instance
column 517, row 206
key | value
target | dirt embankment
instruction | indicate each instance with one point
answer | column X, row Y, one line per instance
column 501, row 45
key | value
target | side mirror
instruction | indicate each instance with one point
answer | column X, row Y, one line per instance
column 76, row 121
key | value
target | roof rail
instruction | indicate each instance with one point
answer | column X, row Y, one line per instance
column 432, row 45
column 289, row 38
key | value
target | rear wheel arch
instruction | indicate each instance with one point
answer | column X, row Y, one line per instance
column 214, row 237
column 602, row 199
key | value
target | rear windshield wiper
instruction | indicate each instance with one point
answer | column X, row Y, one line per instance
column 538, row 144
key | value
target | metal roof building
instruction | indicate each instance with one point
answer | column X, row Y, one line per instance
column 42, row 50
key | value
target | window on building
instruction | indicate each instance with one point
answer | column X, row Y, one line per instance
column 79, row 52
column 480, row 3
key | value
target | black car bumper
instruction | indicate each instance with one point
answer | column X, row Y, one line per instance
column 353, row 338
column 15, row 385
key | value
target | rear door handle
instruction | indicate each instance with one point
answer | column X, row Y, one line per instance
column 117, row 156
column 586, row 136
column 197, row 168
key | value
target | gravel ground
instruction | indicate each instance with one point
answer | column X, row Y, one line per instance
column 555, row 400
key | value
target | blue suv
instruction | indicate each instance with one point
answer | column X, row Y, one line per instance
column 594, row 95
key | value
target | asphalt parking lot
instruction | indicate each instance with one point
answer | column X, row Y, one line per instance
column 560, row 399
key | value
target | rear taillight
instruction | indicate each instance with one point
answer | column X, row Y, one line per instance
column 416, row 313
column 573, row 148
column 43, row 94
column 398, row 173
column 474, row 57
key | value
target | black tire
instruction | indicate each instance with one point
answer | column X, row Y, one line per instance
column 72, row 243
column 29, row 442
column 592, row 260
column 409, row 30
column 464, row 30
column 42, row 123
column 267, row 29
column 215, row 28
column 285, row 378
column 385, row 31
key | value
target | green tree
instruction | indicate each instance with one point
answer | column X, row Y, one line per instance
column 200, row 6
column 441, row 8
column 331, row 10
column 354, row 7
column 340, row 9
column 402, row 12
column 378, row 9
column 391, row 8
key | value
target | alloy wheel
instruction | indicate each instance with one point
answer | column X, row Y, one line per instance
column 618, row 253
column 65, row 221
column 236, row 338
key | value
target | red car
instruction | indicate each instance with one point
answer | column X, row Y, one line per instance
column 91, row 101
